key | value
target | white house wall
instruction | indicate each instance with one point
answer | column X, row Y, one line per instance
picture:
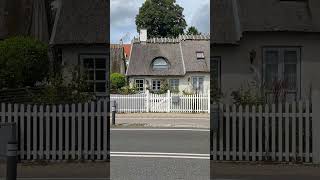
column 184, row 82
column 235, row 61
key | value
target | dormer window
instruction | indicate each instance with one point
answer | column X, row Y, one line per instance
column 200, row 54
column 160, row 64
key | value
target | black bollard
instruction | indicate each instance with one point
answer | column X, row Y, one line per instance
column 113, row 110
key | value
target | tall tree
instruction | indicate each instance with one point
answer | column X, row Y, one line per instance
column 193, row 31
column 162, row 18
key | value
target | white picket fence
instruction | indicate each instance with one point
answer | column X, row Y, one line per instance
column 283, row 132
column 169, row 102
column 62, row 132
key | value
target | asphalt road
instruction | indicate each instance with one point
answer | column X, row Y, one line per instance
column 163, row 154
column 160, row 140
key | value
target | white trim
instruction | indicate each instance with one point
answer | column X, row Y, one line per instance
column 184, row 66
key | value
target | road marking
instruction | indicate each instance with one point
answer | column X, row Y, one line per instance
column 64, row 178
column 155, row 129
column 160, row 155
column 169, row 118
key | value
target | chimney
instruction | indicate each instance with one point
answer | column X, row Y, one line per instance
column 143, row 36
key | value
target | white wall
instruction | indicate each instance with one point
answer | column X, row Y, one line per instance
column 235, row 63
column 185, row 82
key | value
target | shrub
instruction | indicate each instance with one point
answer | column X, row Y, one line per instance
column 185, row 92
column 23, row 62
column 247, row 96
column 128, row 90
column 117, row 81
column 57, row 91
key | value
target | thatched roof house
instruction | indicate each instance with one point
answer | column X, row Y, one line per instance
column 267, row 43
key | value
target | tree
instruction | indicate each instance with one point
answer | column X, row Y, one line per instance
column 23, row 62
column 193, row 31
column 161, row 18
column 117, row 81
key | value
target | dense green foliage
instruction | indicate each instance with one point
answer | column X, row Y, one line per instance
column 117, row 81
column 57, row 91
column 193, row 31
column 162, row 18
column 23, row 62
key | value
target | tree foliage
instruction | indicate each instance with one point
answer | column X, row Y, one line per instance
column 57, row 91
column 23, row 62
column 162, row 18
column 117, row 81
column 193, row 31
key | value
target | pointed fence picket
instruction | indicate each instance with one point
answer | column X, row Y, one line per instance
column 149, row 102
column 60, row 132
column 271, row 132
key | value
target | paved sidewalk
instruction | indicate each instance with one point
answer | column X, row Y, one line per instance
column 165, row 119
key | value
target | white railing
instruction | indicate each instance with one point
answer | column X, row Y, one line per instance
column 277, row 132
column 60, row 132
column 169, row 102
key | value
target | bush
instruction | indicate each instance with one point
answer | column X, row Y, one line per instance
column 247, row 96
column 56, row 91
column 117, row 81
column 23, row 62
column 128, row 90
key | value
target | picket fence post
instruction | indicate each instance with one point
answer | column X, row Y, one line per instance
column 168, row 101
column 209, row 101
column 148, row 100
column 315, row 126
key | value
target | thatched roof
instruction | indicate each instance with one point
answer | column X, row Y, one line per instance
column 180, row 53
column 117, row 59
column 81, row 22
column 233, row 17
column 28, row 18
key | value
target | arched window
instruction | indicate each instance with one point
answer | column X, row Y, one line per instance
column 160, row 64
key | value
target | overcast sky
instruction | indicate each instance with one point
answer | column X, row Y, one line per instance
column 123, row 13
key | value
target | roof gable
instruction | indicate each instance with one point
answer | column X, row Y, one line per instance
column 180, row 53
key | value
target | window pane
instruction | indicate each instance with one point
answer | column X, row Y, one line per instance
column 271, row 75
column 290, row 57
column 272, row 57
column 290, row 75
column 101, row 63
column 101, row 87
column 88, row 63
column 100, row 75
column 91, row 75
column 160, row 64
column 200, row 55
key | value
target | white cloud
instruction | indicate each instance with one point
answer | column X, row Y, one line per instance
column 123, row 13
column 201, row 18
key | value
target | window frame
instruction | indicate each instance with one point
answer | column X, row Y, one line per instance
column 157, row 85
column 176, row 84
column 281, row 65
column 218, row 59
column 200, row 90
column 95, row 56
column 143, row 83
column 202, row 57
column 160, row 69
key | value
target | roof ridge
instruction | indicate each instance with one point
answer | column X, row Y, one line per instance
column 181, row 37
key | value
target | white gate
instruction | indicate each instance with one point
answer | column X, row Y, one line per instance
column 159, row 103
